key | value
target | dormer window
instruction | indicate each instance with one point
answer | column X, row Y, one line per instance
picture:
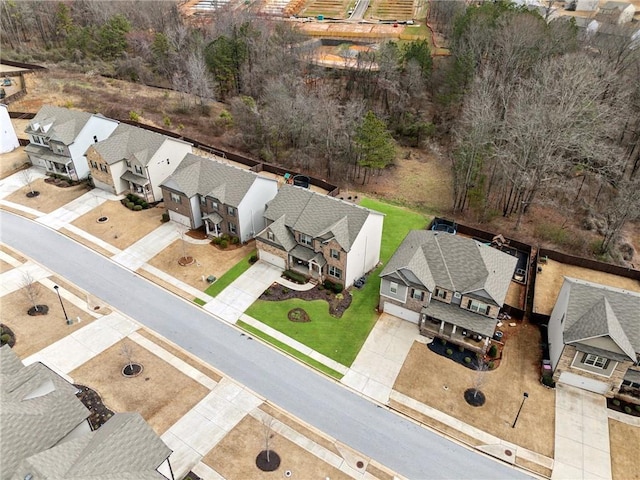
column 478, row 307
column 306, row 239
column 138, row 169
column 128, row 163
column 440, row 293
column 270, row 236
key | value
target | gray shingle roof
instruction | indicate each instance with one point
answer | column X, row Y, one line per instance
column 318, row 215
column 452, row 262
column 124, row 448
column 130, row 143
column 460, row 317
column 282, row 235
column 30, row 424
column 595, row 310
column 66, row 124
column 208, row 177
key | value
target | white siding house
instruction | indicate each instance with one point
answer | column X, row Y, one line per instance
column 365, row 251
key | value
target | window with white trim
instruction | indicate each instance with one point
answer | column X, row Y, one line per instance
column 393, row 287
column 138, row 169
column 270, row 235
column 203, row 201
column 214, row 204
column 478, row 307
column 306, row 239
column 417, row 294
column 335, row 271
column 232, row 228
column 103, row 167
column 231, row 211
column 175, row 198
column 595, row 361
column 335, row 254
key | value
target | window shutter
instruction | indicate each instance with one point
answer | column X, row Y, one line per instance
column 606, row 364
column 584, row 358
column 444, row 295
column 422, row 296
column 413, row 291
column 469, row 304
column 488, row 308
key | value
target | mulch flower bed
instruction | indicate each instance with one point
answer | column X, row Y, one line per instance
column 269, row 465
column 298, row 315
column 41, row 310
column 338, row 303
column 90, row 399
column 58, row 182
column 456, row 355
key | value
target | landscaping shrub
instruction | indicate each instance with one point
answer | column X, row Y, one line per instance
column 491, row 364
column 137, row 208
column 145, row 205
column 235, row 240
column 253, row 259
column 461, row 349
column 224, row 243
column 130, row 205
column 616, row 402
column 493, row 351
column 627, row 409
column 165, row 217
column 285, row 290
column 449, row 351
column 443, row 341
column 637, row 407
column 4, row 338
column 226, row 236
column 131, row 197
column 334, row 287
column 548, row 381
column 216, row 240
column 467, row 359
column 294, row 276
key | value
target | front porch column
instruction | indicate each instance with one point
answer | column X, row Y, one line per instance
column 453, row 330
column 486, row 342
column 206, row 227
column 441, row 326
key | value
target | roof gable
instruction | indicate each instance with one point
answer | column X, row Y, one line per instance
column 59, row 124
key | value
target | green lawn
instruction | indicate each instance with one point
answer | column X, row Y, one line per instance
column 342, row 338
column 290, row 350
column 225, row 280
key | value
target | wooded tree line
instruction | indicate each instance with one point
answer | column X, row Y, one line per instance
column 539, row 110
column 284, row 108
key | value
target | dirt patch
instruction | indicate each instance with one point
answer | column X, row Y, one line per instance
column 624, row 440
column 162, row 394
column 246, row 441
column 35, row 333
column 12, row 162
column 425, row 375
column 51, row 197
column 550, row 279
column 209, row 261
column 11, row 252
column 5, row 267
column 124, row 228
column 85, row 242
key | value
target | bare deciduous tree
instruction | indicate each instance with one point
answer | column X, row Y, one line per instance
column 32, row 290
column 127, row 351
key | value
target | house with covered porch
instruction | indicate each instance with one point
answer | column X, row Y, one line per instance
column 320, row 236
column 223, row 198
column 135, row 160
column 59, row 138
column 453, row 287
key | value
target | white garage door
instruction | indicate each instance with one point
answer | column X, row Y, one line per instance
column 272, row 259
column 179, row 218
column 401, row 312
column 579, row 381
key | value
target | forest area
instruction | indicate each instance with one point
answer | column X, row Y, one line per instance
column 529, row 114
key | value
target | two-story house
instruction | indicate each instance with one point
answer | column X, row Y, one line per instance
column 320, row 236
column 135, row 160
column 224, row 198
column 451, row 286
column 59, row 138
column 594, row 338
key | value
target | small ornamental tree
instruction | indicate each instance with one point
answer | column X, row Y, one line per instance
column 375, row 146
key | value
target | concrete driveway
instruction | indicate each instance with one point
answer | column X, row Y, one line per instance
column 237, row 297
column 375, row 369
column 582, row 435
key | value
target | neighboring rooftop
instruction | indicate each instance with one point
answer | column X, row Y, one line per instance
column 453, row 262
column 59, row 124
column 595, row 310
column 317, row 215
column 130, row 143
column 43, row 431
column 212, row 178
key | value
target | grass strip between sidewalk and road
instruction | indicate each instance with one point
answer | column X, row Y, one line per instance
column 290, row 350
column 227, row 279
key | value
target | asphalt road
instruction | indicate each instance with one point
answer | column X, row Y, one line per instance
column 403, row 446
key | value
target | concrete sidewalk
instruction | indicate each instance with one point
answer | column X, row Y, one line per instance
column 68, row 213
column 147, row 247
column 16, row 181
column 231, row 303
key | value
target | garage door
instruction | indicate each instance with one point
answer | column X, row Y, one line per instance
column 272, row 259
column 579, row 381
column 179, row 218
column 401, row 312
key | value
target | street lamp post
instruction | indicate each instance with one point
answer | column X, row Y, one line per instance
column 57, row 289
column 524, row 397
